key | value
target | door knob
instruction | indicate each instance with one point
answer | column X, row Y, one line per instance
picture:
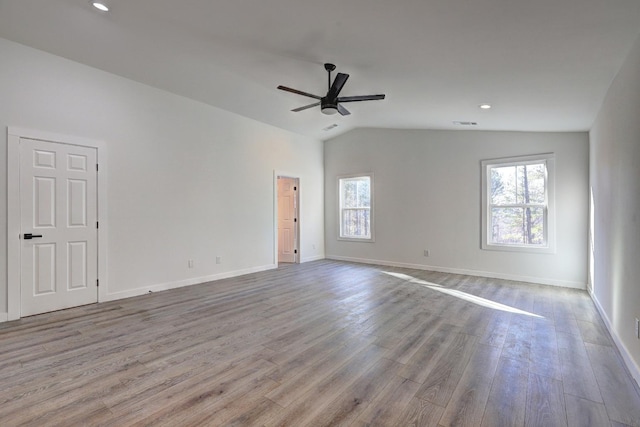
column 29, row 236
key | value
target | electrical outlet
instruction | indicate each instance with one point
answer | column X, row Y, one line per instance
column 427, row 252
column 637, row 328
column 190, row 263
column 218, row 260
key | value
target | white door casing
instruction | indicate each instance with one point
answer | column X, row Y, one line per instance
column 287, row 219
column 58, row 191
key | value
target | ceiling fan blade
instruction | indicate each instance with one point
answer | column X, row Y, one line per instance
column 337, row 85
column 315, row 104
column 360, row 98
column 343, row 110
column 298, row 92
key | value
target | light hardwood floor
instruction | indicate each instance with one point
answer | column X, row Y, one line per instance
column 322, row 343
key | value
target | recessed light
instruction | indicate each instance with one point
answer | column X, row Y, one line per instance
column 485, row 106
column 100, row 6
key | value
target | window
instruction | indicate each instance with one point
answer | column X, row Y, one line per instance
column 356, row 202
column 517, row 198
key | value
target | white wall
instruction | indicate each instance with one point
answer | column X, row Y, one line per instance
column 185, row 180
column 427, row 196
column 615, row 182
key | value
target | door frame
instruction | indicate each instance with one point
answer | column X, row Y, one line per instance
column 14, row 134
column 276, row 174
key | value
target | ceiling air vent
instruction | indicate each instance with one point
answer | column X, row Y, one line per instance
column 457, row 123
column 335, row 125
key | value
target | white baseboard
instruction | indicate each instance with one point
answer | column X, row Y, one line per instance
column 492, row 275
column 4, row 317
column 182, row 283
column 632, row 366
column 312, row 258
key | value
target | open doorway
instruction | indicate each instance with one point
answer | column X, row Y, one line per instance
column 288, row 221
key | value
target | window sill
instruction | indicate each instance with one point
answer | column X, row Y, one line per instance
column 516, row 248
column 356, row 239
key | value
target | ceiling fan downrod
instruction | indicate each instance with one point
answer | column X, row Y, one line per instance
column 329, row 67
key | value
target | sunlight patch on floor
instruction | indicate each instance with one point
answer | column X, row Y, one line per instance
column 411, row 279
column 462, row 295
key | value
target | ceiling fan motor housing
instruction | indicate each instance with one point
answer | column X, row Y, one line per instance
column 328, row 107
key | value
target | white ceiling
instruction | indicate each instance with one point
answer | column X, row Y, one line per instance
column 544, row 65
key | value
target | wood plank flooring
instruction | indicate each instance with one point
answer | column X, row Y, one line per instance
column 321, row 344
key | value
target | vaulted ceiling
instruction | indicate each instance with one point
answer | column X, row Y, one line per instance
column 543, row 65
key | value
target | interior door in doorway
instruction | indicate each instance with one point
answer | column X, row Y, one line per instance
column 287, row 219
column 58, row 209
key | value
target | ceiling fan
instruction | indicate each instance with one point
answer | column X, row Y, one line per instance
column 330, row 103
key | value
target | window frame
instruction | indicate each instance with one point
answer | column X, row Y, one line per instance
column 371, row 237
column 549, row 218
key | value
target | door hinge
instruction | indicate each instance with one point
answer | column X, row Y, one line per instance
column 96, row 167
column 97, row 224
column 98, row 283
column 295, row 188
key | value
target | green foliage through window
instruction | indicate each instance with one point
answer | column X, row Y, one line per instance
column 517, row 204
column 355, row 207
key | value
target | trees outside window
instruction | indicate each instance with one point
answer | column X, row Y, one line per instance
column 355, row 211
column 518, row 203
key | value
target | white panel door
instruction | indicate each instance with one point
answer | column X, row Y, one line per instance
column 287, row 221
column 58, row 208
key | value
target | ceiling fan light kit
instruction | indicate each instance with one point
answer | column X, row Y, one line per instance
column 329, row 109
column 330, row 103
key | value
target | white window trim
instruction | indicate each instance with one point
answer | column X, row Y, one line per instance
column 371, row 209
column 550, row 226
